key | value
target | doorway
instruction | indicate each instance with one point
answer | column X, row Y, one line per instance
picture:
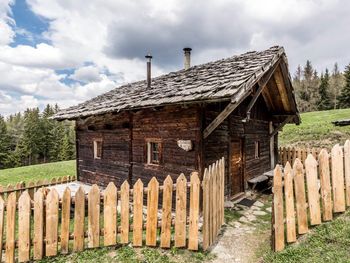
column 237, row 166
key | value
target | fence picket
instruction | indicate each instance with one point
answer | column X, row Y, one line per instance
column 138, row 213
column 24, row 227
column 290, row 209
column 212, row 203
column 38, row 251
column 347, row 170
column 152, row 212
column 79, row 220
column 278, row 209
column 206, row 212
column 51, row 223
column 194, row 212
column 312, row 190
column 338, row 179
column 180, row 213
column 299, row 184
column 10, row 227
column 94, row 217
column 325, row 181
column 110, row 215
column 2, row 216
column 66, row 206
column 165, row 237
column 124, row 217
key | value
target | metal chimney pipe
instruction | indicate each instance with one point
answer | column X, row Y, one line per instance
column 187, row 61
column 149, row 59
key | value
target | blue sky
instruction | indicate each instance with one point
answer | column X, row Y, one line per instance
column 66, row 52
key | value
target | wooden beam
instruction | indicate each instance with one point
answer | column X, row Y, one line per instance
column 282, row 89
column 262, row 84
column 280, row 126
column 223, row 115
column 267, row 97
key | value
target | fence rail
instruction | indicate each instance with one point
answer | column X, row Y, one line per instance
column 165, row 216
column 289, row 154
column 307, row 195
column 33, row 186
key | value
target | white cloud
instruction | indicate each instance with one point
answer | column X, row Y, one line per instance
column 86, row 74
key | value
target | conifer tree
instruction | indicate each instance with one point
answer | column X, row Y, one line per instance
column 344, row 99
column 4, row 143
column 324, row 102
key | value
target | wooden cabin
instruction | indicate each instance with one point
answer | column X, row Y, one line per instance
column 183, row 121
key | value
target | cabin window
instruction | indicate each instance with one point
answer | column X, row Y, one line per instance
column 153, row 152
column 257, row 149
column 98, row 149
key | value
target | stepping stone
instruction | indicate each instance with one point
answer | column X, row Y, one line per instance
column 229, row 204
column 258, row 204
column 243, row 219
column 269, row 209
column 259, row 213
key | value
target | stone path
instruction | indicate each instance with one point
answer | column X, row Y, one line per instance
column 241, row 238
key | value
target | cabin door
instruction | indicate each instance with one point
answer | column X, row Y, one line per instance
column 236, row 166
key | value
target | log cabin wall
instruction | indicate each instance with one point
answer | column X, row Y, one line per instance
column 114, row 130
column 257, row 129
column 168, row 125
column 125, row 137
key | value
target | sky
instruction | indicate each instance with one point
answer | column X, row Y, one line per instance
column 68, row 51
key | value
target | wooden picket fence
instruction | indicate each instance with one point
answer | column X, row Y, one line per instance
column 49, row 224
column 33, row 186
column 289, row 154
column 298, row 204
column 213, row 202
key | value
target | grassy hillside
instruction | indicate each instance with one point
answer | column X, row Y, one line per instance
column 37, row 172
column 316, row 129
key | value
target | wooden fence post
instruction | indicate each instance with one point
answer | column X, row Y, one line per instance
column 152, row 212
column 347, row 170
column 2, row 216
column 94, row 217
column 338, row 179
column 278, row 209
column 325, row 181
column 299, row 184
column 38, row 251
column 110, row 203
column 138, row 213
column 194, row 212
column 65, row 220
column 10, row 227
column 79, row 220
column 125, row 212
column 206, row 210
column 24, row 212
column 180, row 213
column 289, row 197
column 165, row 237
column 51, row 223
column 312, row 190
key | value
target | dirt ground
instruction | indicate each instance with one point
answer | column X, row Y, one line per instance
column 247, row 230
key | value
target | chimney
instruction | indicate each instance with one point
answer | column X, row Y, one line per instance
column 187, row 62
column 149, row 59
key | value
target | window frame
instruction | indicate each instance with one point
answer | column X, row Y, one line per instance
column 149, row 152
column 96, row 143
column 257, row 150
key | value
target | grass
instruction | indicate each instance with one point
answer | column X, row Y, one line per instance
column 316, row 130
column 328, row 242
column 127, row 254
column 37, row 172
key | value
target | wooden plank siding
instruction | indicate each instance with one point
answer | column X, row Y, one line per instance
column 124, row 136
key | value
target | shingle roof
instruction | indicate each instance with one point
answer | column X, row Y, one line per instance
column 219, row 80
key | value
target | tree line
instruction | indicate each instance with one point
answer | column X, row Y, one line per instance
column 325, row 91
column 33, row 137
